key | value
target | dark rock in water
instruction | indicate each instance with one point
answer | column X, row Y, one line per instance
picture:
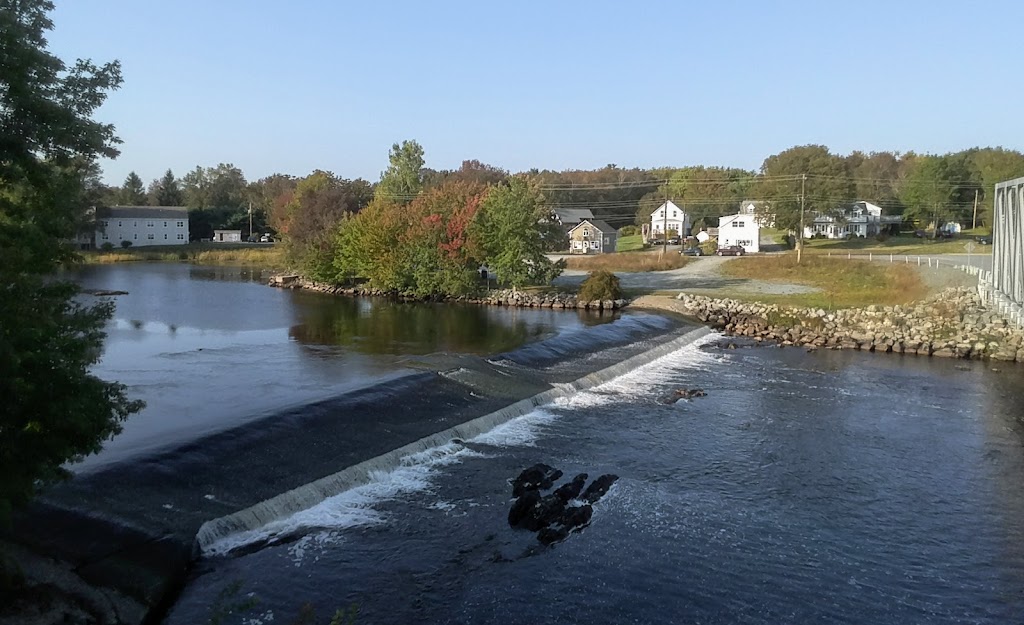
column 598, row 488
column 571, row 490
column 537, row 477
column 554, row 516
column 522, row 507
column 103, row 292
column 544, row 513
column 573, row 519
column 683, row 393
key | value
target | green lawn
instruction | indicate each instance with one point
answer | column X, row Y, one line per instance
column 630, row 243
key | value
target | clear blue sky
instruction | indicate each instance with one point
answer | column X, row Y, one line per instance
column 289, row 87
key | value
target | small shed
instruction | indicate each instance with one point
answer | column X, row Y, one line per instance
column 592, row 236
column 227, row 236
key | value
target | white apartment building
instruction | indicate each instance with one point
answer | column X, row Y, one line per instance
column 142, row 225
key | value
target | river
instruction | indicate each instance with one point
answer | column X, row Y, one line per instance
column 825, row 487
column 831, row 487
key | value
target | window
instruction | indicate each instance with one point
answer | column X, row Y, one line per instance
column 135, row 236
column 119, row 224
column 165, row 237
column 586, row 232
column 181, row 237
column 165, row 224
column 105, row 223
column 593, row 244
column 607, row 240
column 150, row 237
column 737, row 224
column 149, row 224
column 135, row 223
column 104, row 236
column 181, row 224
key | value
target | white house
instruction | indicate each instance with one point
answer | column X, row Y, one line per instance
column 142, row 225
column 669, row 217
column 742, row 229
column 860, row 219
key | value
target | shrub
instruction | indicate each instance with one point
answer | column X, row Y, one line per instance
column 126, row 244
column 107, row 247
column 881, row 237
column 629, row 231
column 709, row 247
column 600, row 285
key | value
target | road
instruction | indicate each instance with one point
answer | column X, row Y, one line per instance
column 700, row 274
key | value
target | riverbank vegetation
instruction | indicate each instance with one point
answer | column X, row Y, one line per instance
column 263, row 255
column 842, row 283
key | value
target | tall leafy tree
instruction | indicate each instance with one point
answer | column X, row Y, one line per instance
column 988, row 167
column 512, row 244
column 402, row 181
column 318, row 204
column 133, row 192
column 55, row 411
column 165, row 191
column 826, row 188
column 938, row 189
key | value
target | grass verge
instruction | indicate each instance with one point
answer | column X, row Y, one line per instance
column 650, row 261
column 629, row 243
column 843, row 283
column 271, row 257
column 893, row 245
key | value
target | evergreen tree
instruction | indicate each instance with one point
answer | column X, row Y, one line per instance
column 133, row 192
column 166, row 191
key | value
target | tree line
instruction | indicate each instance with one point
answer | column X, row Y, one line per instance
column 923, row 188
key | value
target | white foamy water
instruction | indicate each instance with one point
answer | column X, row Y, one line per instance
column 354, row 507
column 519, row 432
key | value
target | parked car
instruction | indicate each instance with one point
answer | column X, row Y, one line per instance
column 984, row 240
column 731, row 250
column 692, row 251
column 673, row 240
column 920, row 234
column 266, row 239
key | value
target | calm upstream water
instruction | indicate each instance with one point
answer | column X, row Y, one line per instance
column 210, row 348
column 830, row 487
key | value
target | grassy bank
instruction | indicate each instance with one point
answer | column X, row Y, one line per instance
column 631, row 243
column 843, row 283
column 893, row 245
column 268, row 256
column 638, row 262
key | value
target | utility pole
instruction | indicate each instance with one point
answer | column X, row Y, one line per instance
column 935, row 223
column 974, row 222
column 803, row 192
column 250, row 220
column 664, row 227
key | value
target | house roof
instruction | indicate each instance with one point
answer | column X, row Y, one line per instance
column 143, row 212
column 598, row 225
column 572, row 215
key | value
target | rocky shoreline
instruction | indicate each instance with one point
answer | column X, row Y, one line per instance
column 953, row 324
column 499, row 297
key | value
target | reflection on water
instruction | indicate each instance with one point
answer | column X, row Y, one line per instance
column 209, row 348
column 377, row 326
